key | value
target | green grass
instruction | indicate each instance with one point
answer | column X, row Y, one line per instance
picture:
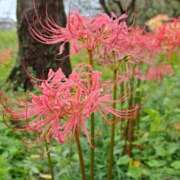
column 8, row 39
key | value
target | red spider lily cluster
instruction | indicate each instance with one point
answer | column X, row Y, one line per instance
column 82, row 32
column 65, row 104
column 103, row 34
column 110, row 39
column 154, row 72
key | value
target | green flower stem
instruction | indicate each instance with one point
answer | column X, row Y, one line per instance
column 92, row 153
column 138, row 101
column 122, row 92
column 81, row 160
column 131, row 124
column 49, row 160
column 112, row 140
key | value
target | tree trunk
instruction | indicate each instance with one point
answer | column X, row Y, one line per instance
column 33, row 56
column 120, row 7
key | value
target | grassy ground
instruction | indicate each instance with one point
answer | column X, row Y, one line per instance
column 22, row 158
column 8, row 39
column 8, row 49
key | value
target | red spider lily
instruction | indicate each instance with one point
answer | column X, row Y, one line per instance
column 131, row 42
column 169, row 35
column 65, row 104
column 77, row 28
column 157, row 72
column 107, row 35
column 114, row 42
column 142, row 46
column 80, row 31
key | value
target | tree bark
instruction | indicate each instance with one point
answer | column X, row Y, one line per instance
column 105, row 7
column 32, row 55
column 120, row 9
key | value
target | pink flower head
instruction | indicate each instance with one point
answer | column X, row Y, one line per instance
column 109, row 37
column 159, row 72
column 54, row 33
column 169, row 35
column 142, row 46
column 65, row 104
column 132, row 42
column 155, row 72
column 80, row 31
